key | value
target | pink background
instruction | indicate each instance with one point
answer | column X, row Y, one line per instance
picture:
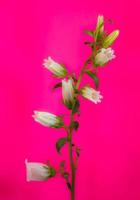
column 109, row 166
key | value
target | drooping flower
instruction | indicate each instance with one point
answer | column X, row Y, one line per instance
column 68, row 92
column 104, row 56
column 57, row 69
column 48, row 119
column 91, row 94
column 110, row 39
column 38, row 171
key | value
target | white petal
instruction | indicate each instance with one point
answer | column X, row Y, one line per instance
column 67, row 90
column 104, row 56
column 91, row 94
column 54, row 67
column 48, row 119
column 36, row 171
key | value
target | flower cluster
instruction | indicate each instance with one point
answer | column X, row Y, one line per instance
column 101, row 54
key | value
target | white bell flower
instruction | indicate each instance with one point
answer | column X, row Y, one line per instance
column 91, row 94
column 68, row 92
column 48, row 119
column 57, row 69
column 36, row 171
column 104, row 56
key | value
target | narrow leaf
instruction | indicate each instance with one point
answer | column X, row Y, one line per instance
column 88, row 32
column 94, row 77
column 57, row 85
column 75, row 125
column 65, row 175
column 69, row 185
column 62, row 163
column 89, row 43
column 60, row 143
column 77, row 151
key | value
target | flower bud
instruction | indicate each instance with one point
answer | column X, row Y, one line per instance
column 91, row 94
column 99, row 28
column 48, row 119
column 38, row 171
column 104, row 56
column 110, row 39
column 68, row 92
column 100, row 24
column 57, row 69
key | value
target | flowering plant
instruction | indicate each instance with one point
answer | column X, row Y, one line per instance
column 101, row 54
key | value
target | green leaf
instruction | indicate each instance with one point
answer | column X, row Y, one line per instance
column 88, row 32
column 60, row 143
column 89, row 43
column 76, row 106
column 62, row 163
column 69, row 185
column 65, row 175
column 94, row 77
column 75, row 125
column 57, row 85
column 77, row 151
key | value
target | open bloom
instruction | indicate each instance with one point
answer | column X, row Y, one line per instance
column 68, row 92
column 104, row 56
column 57, row 69
column 38, row 171
column 91, row 94
column 48, row 119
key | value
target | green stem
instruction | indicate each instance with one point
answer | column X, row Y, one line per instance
column 72, row 170
column 81, row 74
column 72, row 165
